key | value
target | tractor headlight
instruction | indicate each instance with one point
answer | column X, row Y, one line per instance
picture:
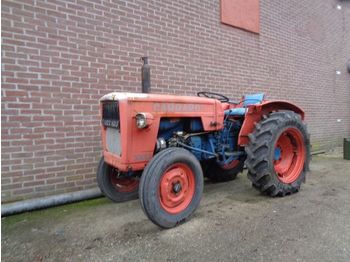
column 141, row 120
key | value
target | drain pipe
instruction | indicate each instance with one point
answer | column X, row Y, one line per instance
column 49, row 201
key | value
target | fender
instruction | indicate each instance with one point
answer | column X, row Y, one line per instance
column 255, row 113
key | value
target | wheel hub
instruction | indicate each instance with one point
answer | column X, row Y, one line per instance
column 278, row 152
column 289, row 155
column 177, row 188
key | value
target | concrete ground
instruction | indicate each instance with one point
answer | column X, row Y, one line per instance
column 233, row 223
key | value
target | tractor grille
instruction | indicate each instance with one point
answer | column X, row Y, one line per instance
column 110, row 114
column 111, row 120
column 113, row 141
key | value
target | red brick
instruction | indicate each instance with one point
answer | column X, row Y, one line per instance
column 11, row 186
column 55, row 180
column 45, row 188
column 23, row 191
column 33, row 183
column 22, row 179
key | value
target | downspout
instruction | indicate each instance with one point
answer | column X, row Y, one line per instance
column 49, row 201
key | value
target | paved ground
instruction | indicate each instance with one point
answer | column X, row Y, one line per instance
column 233, row 223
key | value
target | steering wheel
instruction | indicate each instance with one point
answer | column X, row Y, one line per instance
column 212, row 95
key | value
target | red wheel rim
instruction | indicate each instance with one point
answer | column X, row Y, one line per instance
column 290, row 159
column 231, row 165
column 123, row 184
column 176, row 188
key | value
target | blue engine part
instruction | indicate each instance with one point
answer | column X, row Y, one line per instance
column 228, row 148
column 196, row 125
column 168, row 126
column 202, row 146
column 220, row 145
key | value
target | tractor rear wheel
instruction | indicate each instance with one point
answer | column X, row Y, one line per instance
column 278, row 154
column 218, row 173
column 115, row 185
column 171, row 187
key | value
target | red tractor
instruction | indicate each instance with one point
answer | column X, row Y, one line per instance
column 159, row 148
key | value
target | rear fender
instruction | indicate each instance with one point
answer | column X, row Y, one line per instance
column 255, row 113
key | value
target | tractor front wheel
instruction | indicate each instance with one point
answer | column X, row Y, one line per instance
column 171, row 187
column 278, row 154
column 115, row 185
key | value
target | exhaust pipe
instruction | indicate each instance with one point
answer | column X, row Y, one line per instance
column 145, row 75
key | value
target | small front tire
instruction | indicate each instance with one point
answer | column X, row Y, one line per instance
column 114, row 185
column 171, row 187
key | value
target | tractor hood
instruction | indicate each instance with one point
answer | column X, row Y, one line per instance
column 122, row 96
column 117, row 96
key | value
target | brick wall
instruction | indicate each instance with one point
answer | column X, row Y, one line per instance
column 59, row 57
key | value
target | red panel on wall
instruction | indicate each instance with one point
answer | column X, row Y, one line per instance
column 241, row 13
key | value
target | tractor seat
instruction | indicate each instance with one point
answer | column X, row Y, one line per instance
column 247, row 100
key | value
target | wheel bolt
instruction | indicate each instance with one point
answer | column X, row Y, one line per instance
column 177, row 188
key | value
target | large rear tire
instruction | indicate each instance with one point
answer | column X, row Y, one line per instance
column 171, row 187
column 114, row 185
column 278, row 154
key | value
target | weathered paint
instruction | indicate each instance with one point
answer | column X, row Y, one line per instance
column 255, row 113
column 137, row 145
